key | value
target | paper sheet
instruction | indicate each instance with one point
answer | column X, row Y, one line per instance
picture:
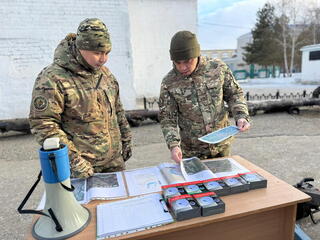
column 194, row 170
column 144, row 180
column 106, row 186
column 172, row 173
column 225, row 167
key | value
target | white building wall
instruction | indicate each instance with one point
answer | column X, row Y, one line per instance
column 242, row 42
column 152, row 24
column 30, row 31
column 310, row 70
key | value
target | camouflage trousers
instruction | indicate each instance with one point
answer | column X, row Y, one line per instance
column 114, row 166
column 208, row 152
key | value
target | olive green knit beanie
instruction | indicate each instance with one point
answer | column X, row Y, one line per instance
column 93, row 35
column 184, row 45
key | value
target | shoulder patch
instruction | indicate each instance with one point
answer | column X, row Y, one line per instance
column 40, row 103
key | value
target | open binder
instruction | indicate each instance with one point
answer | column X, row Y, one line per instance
column 131, row 215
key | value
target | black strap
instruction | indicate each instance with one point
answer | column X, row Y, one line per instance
column 312, row 217
column 67, row 188
column 30, row 211
column 55, row 220
column 52, row 161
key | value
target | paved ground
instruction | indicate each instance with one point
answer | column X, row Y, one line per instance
column 285, row 145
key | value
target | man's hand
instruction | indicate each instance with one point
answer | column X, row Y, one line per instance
column 243, row 124
column 176, row 154
column 81, row 169
column 126, row 150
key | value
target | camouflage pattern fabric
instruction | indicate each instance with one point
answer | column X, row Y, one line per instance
column 92, row 35
column 193, row 106
column 81, row 106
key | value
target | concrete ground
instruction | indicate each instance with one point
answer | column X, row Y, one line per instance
column 286, row 145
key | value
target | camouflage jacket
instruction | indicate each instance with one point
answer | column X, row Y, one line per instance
column 193, row 106
column 82, row 107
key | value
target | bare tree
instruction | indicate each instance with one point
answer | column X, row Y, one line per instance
column 314, row 20
column 283, row 40
column 292, row 21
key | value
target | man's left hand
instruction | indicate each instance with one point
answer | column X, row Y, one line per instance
column 243, row 124
column 126, row 150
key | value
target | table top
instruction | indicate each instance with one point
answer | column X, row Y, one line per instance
column 278, row 194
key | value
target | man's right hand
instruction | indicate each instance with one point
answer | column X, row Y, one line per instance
column 82, row 169
column 176, row 154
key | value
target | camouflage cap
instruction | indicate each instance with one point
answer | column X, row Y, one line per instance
column 184, row 45
column 92, row 35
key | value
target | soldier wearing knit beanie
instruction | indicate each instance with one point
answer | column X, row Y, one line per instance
column 184, row 52
column 192, row 101
column 184, row 45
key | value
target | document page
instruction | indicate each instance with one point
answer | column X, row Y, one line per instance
column 106, row 186
column 80, row 186
column 144, row 180
column 225, row 167
column 131, row 215
column 172, row 173
column 194, row 170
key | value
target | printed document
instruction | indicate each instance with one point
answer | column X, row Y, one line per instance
column 194, row 170
column 225, row 167
column 131, row 215
column 144, row 180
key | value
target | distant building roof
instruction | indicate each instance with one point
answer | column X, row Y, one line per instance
column 219, row 53
column 248, row 34
column 218, row 50
column 310, row 47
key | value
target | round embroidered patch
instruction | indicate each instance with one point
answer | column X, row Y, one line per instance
column 40, row 103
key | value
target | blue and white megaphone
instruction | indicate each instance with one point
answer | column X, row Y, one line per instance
column 63, row 216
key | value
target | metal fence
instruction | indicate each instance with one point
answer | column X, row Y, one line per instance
column 277, row 95
column 152, row 103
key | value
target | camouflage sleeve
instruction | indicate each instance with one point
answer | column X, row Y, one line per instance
column 45, row 121
column 233, row 95
column 125, row 131
column 123, row 122
column 168, row 116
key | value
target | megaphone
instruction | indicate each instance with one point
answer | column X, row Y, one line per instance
column 62, row 216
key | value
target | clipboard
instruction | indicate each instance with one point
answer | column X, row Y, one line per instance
column 220, row 135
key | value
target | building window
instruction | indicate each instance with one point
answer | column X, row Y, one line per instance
column 315, row 55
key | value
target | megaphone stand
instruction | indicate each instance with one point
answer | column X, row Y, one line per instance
column 62, row 216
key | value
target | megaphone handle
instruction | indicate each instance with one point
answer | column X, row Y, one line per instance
column 52, row 160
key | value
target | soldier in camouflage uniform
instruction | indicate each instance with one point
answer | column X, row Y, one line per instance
column 77, row 99
column 192, row 101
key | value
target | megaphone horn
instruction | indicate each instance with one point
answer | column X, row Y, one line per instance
column 62, row 216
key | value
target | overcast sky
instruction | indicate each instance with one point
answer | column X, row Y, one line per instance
column 221, row 22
